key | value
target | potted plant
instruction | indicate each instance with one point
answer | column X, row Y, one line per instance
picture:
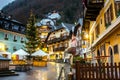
column 77, row 58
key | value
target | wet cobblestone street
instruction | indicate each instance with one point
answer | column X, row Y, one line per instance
column 51, row 72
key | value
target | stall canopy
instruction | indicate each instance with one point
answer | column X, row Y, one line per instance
column 39, row 53
column 20, row 52
column 4, row 59
column 6, row 54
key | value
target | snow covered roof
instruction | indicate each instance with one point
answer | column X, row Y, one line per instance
column 66, row 26
column 39, row 53
column 45, row 22
column 80, row 21
column 54, row 16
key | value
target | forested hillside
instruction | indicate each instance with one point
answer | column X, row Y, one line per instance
column 70, row 10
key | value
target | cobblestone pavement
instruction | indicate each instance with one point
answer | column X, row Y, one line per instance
column 51, row 72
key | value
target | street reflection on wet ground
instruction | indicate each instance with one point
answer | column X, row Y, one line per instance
column 51, row 72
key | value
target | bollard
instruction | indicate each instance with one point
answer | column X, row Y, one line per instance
column 70, row 75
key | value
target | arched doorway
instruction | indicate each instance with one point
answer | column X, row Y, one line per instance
column 110, row 52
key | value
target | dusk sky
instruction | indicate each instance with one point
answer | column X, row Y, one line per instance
column 4, row 3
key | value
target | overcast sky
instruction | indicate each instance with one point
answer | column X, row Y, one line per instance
column 4, row 3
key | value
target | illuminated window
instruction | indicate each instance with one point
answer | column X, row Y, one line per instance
column 6, row 48
column 102, row 50
column 97, row 30
column 2, row 47
column 92, row 37
column 108, row 16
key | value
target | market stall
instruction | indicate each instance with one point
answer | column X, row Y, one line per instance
column 39, row 58
column 19, row 57
column 5, row 54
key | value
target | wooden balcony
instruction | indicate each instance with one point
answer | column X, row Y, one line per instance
column 54, row 40
column 64, row 38
column 50, row 42
column 58, row 39
column 93, row 9
column 55, row 49
column 59, row 49
column 62, row 48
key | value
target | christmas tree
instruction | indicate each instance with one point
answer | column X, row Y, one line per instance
column 32, row 35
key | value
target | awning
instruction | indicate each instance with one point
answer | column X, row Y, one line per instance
column 20, row 52
column 71, row 50
column 39, row 53
column 4, row 59
column 6, row 54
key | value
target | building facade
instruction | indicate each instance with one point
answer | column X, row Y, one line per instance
column 103, row 30
column 12, row 35
column 58, row 40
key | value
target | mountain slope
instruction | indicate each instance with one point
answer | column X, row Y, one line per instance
column 70, row 10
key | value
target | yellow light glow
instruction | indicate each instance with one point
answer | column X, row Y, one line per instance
column 44, row 26
column 45, row 33
column 38, row 48
column 44, row 49
column 86, row 36
column 2, row 47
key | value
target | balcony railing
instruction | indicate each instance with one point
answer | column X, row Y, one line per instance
column 95, row 1
column 6, row 38
column 54, row 40
column 50, row 42
column 62, row 48
column 58, row 39
column 59, row 49
column 63, row 38
column 93, row 9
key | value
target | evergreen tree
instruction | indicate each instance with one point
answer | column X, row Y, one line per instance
column 32, row 35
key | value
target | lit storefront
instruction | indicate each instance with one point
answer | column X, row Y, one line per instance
column 2, row 47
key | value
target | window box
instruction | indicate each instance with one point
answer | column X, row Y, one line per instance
column 6, row 48
column 14, row 48
column 107, row 24
column 6, row 38
column 97, row 36
column 15, row 40
column 22, row 41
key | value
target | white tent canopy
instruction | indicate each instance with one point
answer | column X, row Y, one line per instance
column 5, row 53
column 8, row 53
column 39, row 53
column 20, row 52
